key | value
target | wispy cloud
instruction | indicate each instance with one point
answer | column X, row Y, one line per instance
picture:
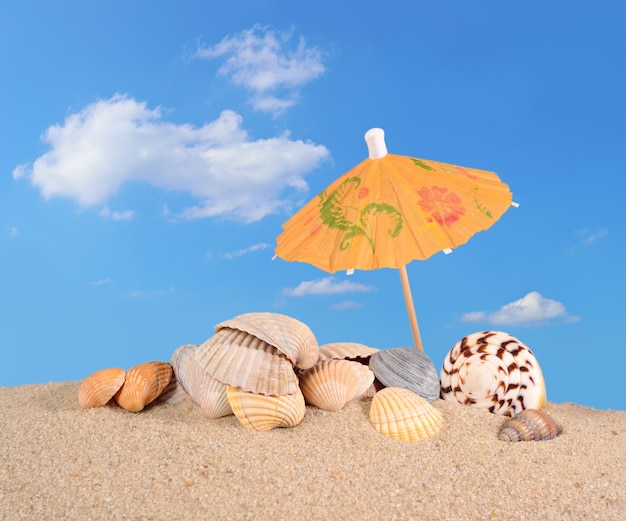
column 94, row 152
column 268, row 64
column 532, row 309
column 13, row 231
column 325, row 286
column 139, row 293
column 126, row 215
column 346, row 304
column 244, row 251
column 100, row 282
column 589, row 236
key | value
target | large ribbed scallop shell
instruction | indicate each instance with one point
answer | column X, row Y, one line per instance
column 408, row 368
column 530, row 425
column 290, row 336
column 331, row 384
column 346, row 351
column 495, row 371
column 98, row 388
column 403, row 415
column 242, row 360
column 143, row 384
column 202, row 388
column 262, row 413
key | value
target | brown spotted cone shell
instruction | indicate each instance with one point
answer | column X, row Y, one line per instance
column 530, row 425
column 98, row 388
column 495, row 371
column 143, row 384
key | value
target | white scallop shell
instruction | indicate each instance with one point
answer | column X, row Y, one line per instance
column 402, row 415
column 242, row 360
column 262, row 413
column 290, row 336
column 202, row 388
column 346, row 351
column 330, row 384
column 495, row 371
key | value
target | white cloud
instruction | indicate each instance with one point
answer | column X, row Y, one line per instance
column 100, row 282
column 533, row 308
column 346, row 304
column 126, row 215
column 13, row 231
column 140, row 293
column 120, row 140
column 263, row 61
column 591, row 236
column 244, row 251
column 325, row 286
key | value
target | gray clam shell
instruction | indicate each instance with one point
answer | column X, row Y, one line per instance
column 406, row 367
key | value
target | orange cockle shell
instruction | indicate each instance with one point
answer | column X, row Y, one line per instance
column 144, row 383
column 98, row 388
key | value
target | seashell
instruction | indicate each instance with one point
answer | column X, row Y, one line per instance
column 290, row 336
column 143, row 384
column 202, row 388
column 173, row 393
column 98, row 388
column 262, row 413
column 495, row 371
column 242, row 360
column 331, row 384
column 346, row 351
column 408, row 368
column 402, row 415
column 530, row 425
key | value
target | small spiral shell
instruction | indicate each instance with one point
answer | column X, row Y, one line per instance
column 530, row 425
column 495, row 371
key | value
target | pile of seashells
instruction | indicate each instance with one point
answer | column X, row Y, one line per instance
column 266, row 367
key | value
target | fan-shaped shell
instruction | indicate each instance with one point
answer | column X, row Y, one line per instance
column 346, row 351
column 495, row 371
column 98, row 388
column 173, row 393
column 143, row 384
column 330, row 384
column 242, row 360
column 262, row 413
column 408, row 368
column 403, row 415
column 208, row 392
column 290, row 336
column 530, row 425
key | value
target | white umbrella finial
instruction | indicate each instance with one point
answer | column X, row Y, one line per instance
column 375, row 139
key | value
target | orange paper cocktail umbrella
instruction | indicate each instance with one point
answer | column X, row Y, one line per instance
column 390, row 210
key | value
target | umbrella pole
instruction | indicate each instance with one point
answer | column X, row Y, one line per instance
column 408, row 299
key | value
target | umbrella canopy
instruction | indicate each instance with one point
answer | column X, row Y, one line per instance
column 390, row 210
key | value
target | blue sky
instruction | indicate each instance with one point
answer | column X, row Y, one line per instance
column 150, row 152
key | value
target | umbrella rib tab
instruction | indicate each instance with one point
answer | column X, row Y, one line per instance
column 375, row 139
column 408, row 299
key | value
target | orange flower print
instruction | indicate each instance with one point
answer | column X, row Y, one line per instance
column 444, row 206
column 363, row 192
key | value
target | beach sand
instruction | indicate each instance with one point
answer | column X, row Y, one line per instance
column 169, row 462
